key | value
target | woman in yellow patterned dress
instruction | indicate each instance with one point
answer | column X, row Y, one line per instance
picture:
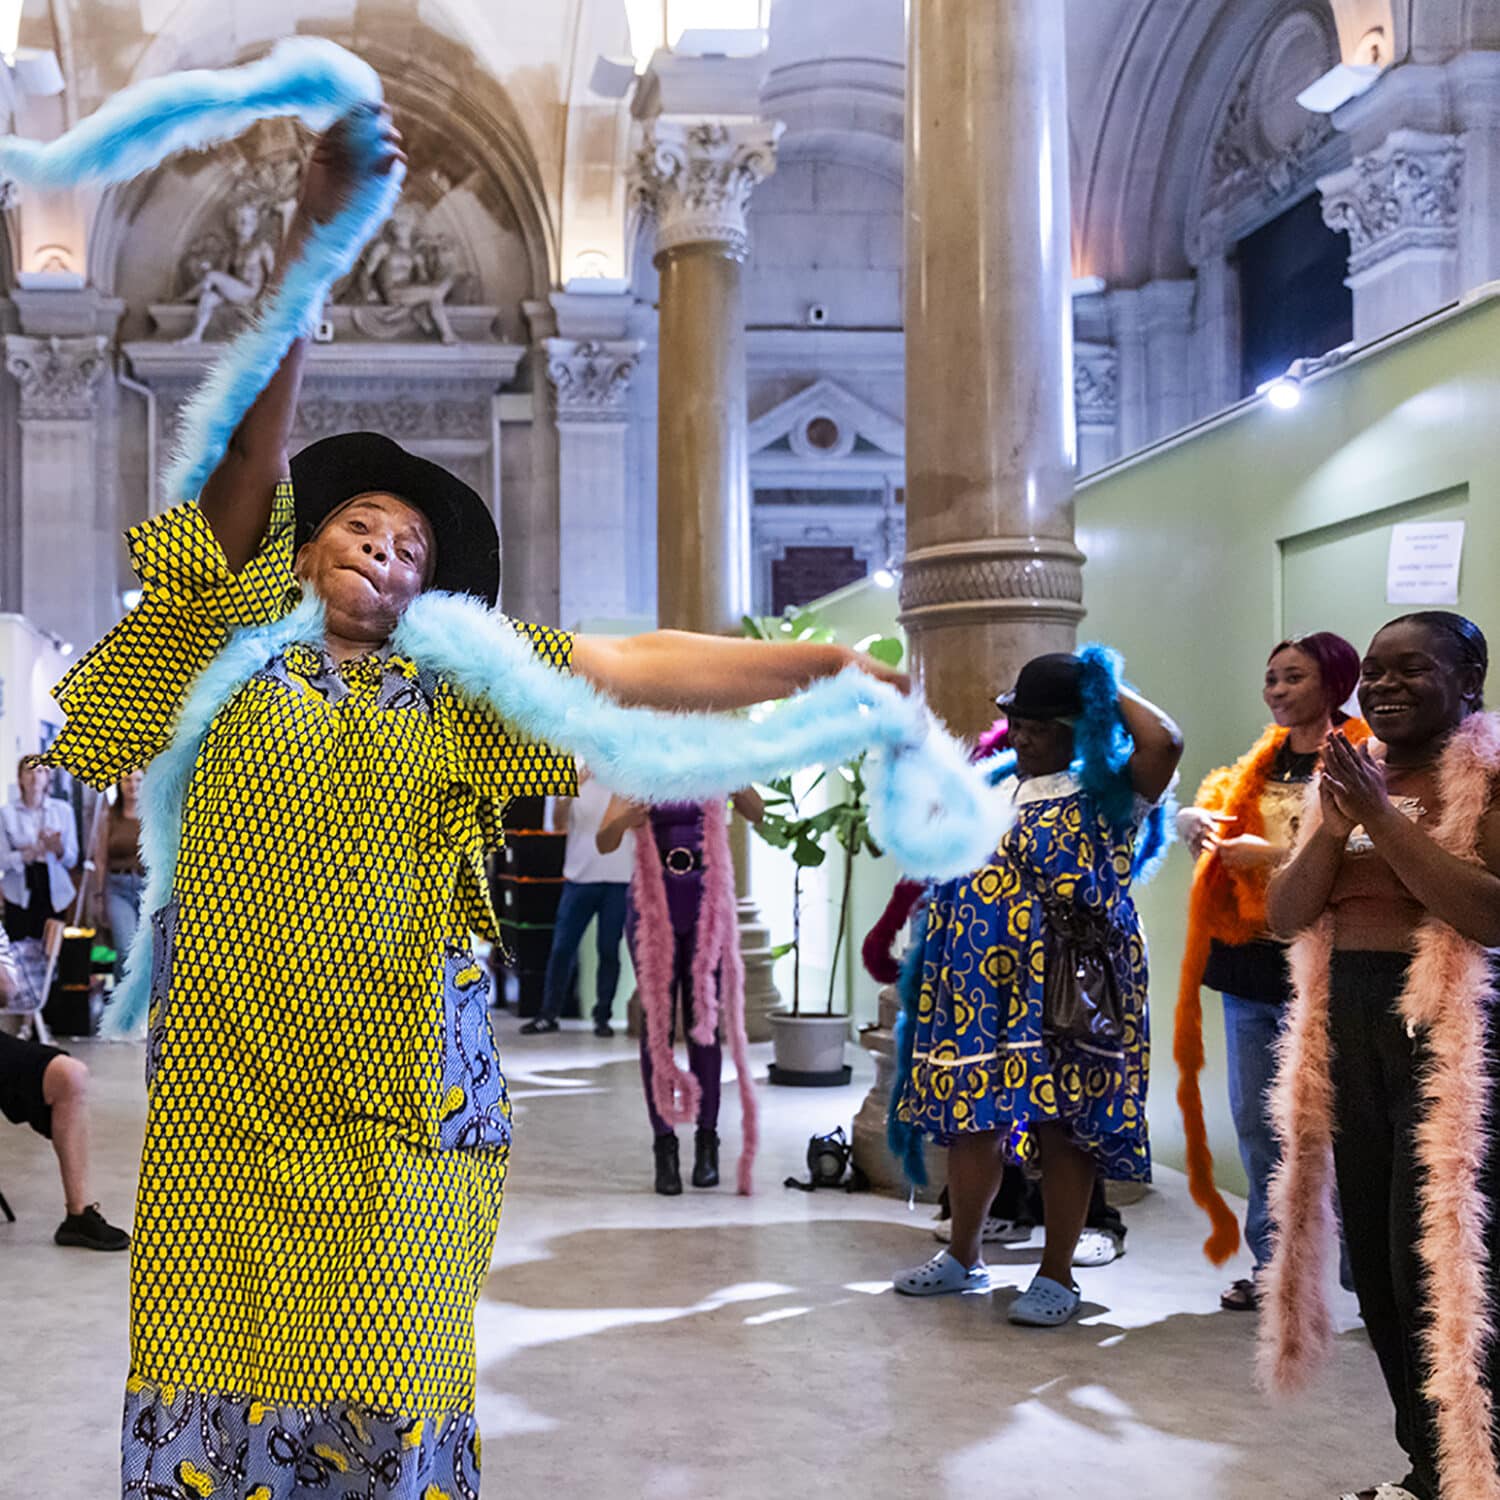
column 1001, row 1063
column 328, row 1129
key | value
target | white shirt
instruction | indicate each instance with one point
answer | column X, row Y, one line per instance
column 22, row 827
column 584, row 864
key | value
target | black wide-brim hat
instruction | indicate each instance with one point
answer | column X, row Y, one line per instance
column 334, row 470
column 1049, row 687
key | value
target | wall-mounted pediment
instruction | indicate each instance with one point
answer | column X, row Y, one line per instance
column 826, row 423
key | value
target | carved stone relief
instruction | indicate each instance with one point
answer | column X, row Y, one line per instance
column 1403, row 195
column 1096, row 384
column 591, row 377
column 58, row 376
column 696, row 176
column 416, row 281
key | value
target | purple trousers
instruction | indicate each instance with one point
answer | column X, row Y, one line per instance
column 706, row 1063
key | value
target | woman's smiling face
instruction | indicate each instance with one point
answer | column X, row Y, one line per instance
column 367, row 562
column 1410, row 689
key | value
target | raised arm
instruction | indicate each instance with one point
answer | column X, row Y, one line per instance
column 676, row 669
column 1158, row 745
column 238, row 495
column 619, row 818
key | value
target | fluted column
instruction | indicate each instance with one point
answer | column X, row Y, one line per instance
column 694, row 174
column 991, row 577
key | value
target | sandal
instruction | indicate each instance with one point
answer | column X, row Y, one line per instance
column 1243, row 1296
column 1097, row 1247
column 1045, row 1304
column 943, row 1273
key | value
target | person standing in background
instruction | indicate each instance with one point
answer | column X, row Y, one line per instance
column 1241, row 828
column 118, row 875
column 38, row 847
column 595, row 884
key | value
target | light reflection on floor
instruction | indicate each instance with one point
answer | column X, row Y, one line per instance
column 714, row 1347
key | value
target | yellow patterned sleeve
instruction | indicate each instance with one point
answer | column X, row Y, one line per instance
column 122, row 698
column 499, row 763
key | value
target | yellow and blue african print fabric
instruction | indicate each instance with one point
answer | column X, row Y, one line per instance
column 980, row 1059
column 328, row 1128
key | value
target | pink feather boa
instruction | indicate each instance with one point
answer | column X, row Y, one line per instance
column 718, row 981
column 1449, row 994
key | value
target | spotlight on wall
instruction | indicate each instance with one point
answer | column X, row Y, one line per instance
column 1284, row 393
column 884, row 578
column 130, row 598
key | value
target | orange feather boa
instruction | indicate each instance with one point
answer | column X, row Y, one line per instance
column 1228, row 906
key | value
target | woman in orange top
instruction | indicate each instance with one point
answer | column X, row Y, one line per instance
column 1242, row 827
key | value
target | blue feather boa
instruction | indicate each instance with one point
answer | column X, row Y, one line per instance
column 905, row 1141
column 314, row 80
column 929, row 809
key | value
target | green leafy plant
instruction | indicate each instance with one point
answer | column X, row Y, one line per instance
column 844, row 825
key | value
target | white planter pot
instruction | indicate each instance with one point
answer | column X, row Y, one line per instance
column 809, row 1049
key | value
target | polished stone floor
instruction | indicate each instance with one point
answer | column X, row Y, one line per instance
column 714, row 1346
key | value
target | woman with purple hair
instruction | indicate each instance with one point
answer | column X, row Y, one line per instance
column 1241, row 827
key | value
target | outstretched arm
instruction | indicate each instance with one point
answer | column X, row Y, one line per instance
column 675, row 669
column 238, row 495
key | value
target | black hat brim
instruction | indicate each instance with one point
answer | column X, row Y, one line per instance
column 329, row 473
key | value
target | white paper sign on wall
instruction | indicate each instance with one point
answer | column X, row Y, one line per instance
column 1424, row 561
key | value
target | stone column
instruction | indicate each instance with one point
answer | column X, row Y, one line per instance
column 992, row 577
column 67, row 558
column 591, row 379
column 694, row 174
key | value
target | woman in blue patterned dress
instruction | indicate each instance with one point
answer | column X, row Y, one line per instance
column 1008, row 1060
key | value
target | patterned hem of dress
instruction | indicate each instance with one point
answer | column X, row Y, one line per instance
column 181, row 1443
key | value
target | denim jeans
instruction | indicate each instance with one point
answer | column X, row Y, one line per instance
column 1251, row 1028
column 581, row 902
column 122, row 898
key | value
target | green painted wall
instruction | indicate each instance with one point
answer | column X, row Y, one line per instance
column 1205, row 552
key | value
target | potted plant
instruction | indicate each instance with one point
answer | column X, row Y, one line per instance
column 809, row 1044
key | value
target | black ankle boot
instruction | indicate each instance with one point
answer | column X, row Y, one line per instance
column 706, row 1159
column 668, row 1172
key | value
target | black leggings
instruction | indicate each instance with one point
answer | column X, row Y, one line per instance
column 1376, row 1081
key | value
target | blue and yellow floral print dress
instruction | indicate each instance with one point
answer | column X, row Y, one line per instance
column 328, row 1128
column 980, row 1061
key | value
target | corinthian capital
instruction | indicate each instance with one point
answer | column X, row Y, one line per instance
column 696, row 176
column 57, row 376
column 1403, row 195
column 592, row 377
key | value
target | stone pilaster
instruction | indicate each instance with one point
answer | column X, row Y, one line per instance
column 591, row 384
column 67, row 572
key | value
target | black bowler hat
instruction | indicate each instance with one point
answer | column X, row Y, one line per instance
column 1049, row 687
column 334, row 470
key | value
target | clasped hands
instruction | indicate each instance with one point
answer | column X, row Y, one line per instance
column 1351, row 791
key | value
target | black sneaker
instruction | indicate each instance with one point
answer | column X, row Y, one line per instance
column 603, row 1028
column 540, row 1026
column 90, row 1230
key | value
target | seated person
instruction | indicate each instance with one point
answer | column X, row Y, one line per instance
column 46, row 1089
